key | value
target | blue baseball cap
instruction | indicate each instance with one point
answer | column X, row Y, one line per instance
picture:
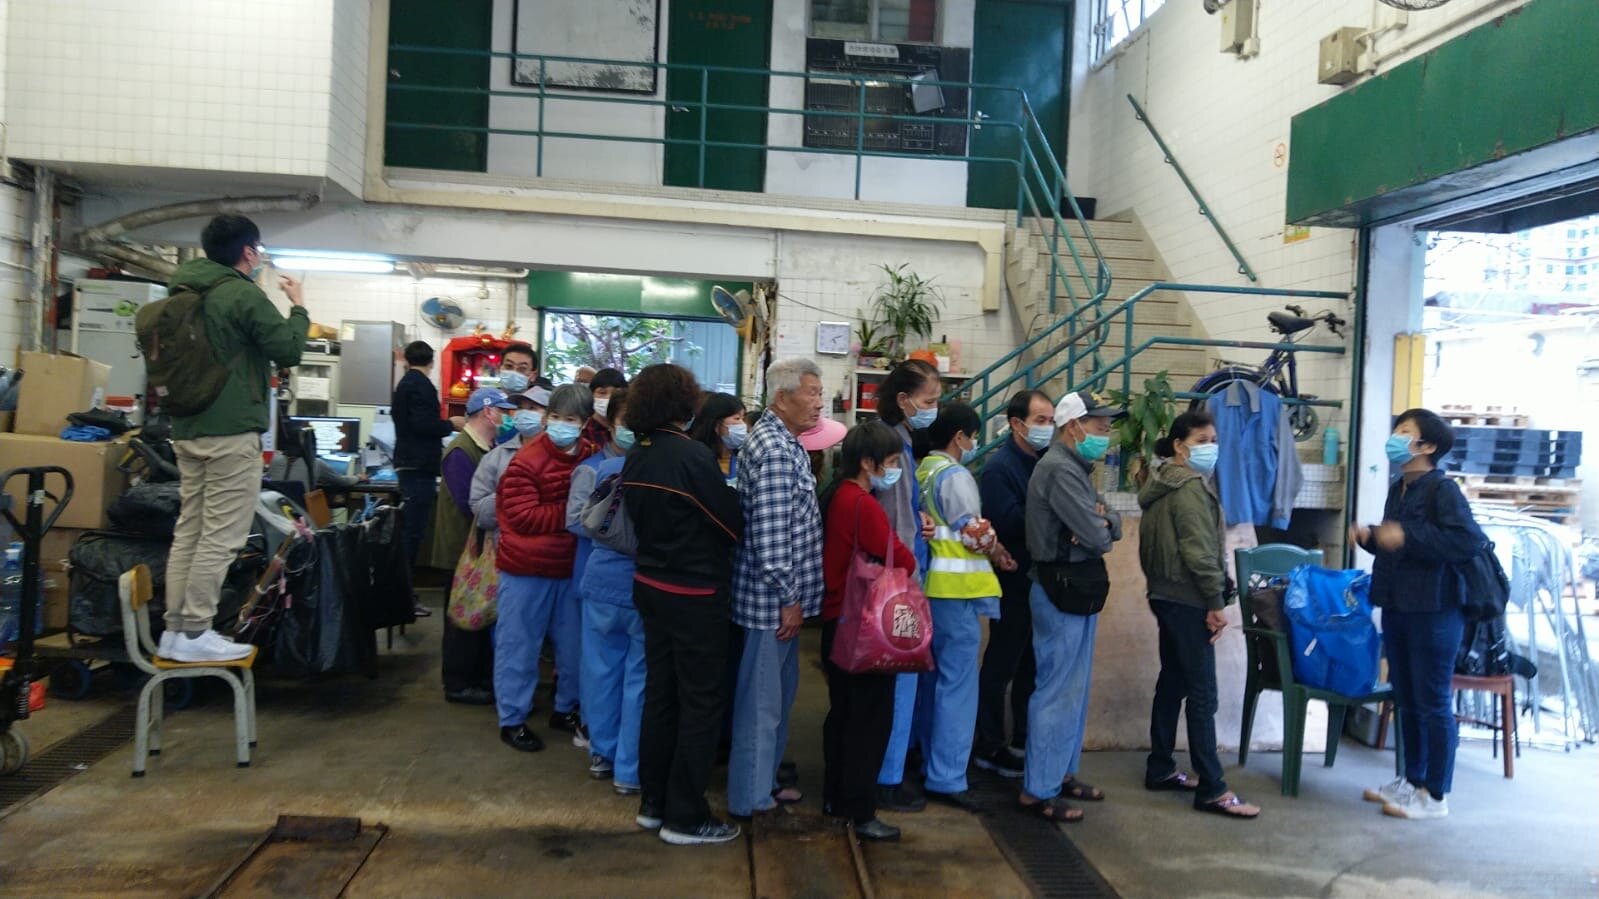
column 483, row 397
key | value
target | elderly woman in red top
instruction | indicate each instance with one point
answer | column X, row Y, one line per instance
column 861, row 713
column 536, row 587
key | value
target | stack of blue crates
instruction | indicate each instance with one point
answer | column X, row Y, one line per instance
column 1515, row 452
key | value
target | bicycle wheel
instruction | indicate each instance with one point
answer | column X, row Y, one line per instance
column 1304, row 420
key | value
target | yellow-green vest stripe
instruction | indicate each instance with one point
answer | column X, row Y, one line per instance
column 954, row 572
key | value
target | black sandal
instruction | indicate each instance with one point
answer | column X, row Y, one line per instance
column 798, row 797
column 1227, row 804
column 1053, row 809
column 1177, row 782
column 1082, row 792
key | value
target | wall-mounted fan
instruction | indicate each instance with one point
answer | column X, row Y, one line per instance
column 443, row 313
column 737, row 309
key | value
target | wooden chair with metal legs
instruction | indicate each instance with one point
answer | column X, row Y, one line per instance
column 136, row 587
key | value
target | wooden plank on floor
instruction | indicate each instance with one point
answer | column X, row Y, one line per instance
column 801, row 855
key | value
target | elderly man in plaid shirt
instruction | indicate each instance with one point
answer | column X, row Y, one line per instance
column 777, row 582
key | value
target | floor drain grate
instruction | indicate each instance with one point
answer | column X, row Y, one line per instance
column 71, row 756
column 1042, row 853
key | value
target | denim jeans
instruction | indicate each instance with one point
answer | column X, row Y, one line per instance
column 1007, row 663
column 1421, row 649
column 526, row 606
column 948, row 693
column 1187, row 672
column 1057, row 716
column 613, row 684
column 418, row 492
column 768, row 677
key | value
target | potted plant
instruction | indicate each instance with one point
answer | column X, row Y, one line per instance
column 907, row 305
column 869, row 341
column 1149, row 417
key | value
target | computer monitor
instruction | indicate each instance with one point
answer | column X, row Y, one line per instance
column 334, row 436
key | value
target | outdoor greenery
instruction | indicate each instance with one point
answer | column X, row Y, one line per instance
column 1149, row 417
column 610, row 341
column 906, row 305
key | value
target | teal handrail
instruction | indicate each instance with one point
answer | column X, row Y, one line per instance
column 1204, row 208
column 1041, row 188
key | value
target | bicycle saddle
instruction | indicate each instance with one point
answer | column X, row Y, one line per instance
column 1288, row 323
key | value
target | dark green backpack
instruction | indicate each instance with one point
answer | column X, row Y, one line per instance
column 179, row 361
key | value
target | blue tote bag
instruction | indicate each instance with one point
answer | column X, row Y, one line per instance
column 1335, row 643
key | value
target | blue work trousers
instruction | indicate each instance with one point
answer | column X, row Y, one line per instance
column 948, row 693
column 613, row 685
column 526, row 606
column 1057, row 716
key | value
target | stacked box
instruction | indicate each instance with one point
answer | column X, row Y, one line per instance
column 1515, row 452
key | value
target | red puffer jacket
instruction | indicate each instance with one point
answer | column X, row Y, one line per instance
column 531, row 509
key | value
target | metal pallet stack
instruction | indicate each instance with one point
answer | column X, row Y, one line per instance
column 1501, row 462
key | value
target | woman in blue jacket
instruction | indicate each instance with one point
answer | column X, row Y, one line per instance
column 1427, row 531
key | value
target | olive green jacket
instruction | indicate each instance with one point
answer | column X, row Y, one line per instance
column 1180, row 538
column 249, row 336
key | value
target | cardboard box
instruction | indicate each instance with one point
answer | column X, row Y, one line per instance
column 95, row 478
column 54, row 386
column 5, row 422
column 57, row 543
column 57, row 595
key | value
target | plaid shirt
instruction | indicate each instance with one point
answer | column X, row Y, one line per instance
column 780, row 561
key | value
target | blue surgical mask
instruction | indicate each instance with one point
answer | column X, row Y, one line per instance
column 1202, row 458
column 624, row 437
column 887, row 479
column 1093, row 447
column 1398, row 449
column 528, row 422
column 1039, row 436
column 563, row 433
column 922, row 419
column 736, row 435
column 969, row 454
column 513, row 381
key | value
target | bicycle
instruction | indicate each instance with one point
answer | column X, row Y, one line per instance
column 1279, row 374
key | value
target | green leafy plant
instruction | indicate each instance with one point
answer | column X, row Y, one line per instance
column 869, row 337
column 907, row 305
column 1149, row 417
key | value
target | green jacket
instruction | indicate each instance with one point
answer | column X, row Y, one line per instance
column 249, row 336
column 1180, row 538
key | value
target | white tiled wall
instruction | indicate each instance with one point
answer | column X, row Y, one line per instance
column 15, row 218
column 178, row 83
column 1222, row 118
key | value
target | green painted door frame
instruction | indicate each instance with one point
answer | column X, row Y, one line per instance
column 1023, row 44
column 735, row 33
column 446, row 24
column 1507, row 104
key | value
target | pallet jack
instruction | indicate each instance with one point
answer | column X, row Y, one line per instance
column 16, row 684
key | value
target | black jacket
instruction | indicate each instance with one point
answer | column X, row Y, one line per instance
column 1440, row 534
column 1003, row 488
column 685, row 516
column 418, row 430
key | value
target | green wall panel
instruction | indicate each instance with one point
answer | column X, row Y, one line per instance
column 1516, row 83
column 733, row 33
column 597, row 292
column 451, row 24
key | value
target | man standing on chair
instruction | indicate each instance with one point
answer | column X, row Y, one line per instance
column 219, row 449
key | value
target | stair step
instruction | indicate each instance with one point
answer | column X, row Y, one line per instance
column 1151, row 311
column 1134, row 269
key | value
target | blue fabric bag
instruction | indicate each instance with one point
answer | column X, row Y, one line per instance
column 1334, row 641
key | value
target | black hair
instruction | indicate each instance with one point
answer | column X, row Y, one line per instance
column 662, row 394
column 716, row 407
column 617, row 404
column 872, row 442
column 1434, row 430
column 226, row 237
column 418, row 352
column 907, row 378
column 524, row 349
column 607, row 377
column 1022, row 403
column 954, row 418
column 1181, row 427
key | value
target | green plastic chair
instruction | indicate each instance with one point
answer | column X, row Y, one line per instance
column 1256, row 568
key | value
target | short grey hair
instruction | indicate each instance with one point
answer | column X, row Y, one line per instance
column 571, row 399
column 784, row 375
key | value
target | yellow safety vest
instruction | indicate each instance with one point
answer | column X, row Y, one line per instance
column 954, row 572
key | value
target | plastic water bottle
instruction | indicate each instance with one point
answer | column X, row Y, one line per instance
column 10, row 593
column 1329, row 446
column 1112, row 472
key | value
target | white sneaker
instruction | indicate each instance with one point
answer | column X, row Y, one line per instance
column 1391, row 793
column 163, row 648
column 1419, row 805
column 208, row 647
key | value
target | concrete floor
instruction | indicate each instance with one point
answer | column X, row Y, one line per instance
column 470, row 817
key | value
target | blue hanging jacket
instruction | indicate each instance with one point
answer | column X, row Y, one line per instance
column 1247, row 421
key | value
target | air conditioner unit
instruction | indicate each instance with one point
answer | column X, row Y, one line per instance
column 1339, row 62
column 1238, row 28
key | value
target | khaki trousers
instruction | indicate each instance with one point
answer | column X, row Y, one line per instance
column 220, row 488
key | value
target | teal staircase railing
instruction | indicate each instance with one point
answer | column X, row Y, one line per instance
column 1079, row 275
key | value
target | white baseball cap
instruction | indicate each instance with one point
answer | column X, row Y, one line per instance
column 1083, row 404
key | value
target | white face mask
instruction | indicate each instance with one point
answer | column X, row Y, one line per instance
column 602, row 405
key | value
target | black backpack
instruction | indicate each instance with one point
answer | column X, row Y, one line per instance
column 179, row 361
column 1482, row 578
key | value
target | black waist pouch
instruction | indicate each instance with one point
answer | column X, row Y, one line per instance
column 1076, row 588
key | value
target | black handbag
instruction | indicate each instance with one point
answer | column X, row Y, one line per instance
column 1075, row 588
